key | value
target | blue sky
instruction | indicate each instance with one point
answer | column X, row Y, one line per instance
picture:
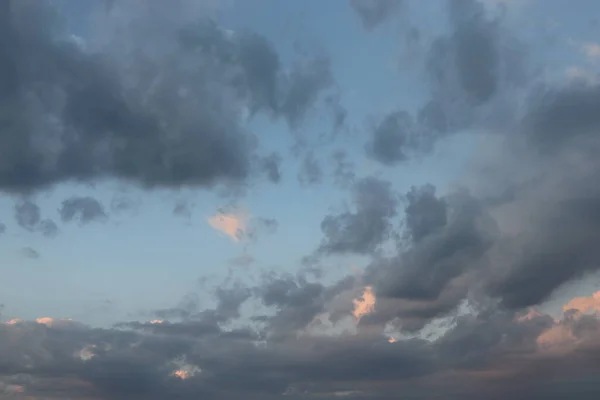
column 475, row 220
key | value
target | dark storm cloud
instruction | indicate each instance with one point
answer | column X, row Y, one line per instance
column 169, row 117
column 374, row 12
column 368, row 226
column 84, row 209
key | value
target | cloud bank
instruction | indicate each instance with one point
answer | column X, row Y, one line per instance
column 453, row 311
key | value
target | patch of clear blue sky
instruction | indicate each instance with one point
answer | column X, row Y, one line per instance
column 152, row 259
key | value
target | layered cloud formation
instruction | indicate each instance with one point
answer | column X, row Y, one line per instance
column 452, row 300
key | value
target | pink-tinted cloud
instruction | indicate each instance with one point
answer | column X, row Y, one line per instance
column 233, row 225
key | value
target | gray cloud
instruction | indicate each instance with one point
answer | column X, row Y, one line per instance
column 308, row 79
column 393, row 138
column 48, row 228
column 310, row 170
column 497, row 257
column 450, row 237
column 491, row 353
column 374, row 12
column 424, row 213
column 2, row 228
column 183, row 209
column 84, row 209
column 363, row 230
column 122, row 202
column 343, row 173
column 30, row 252
column 163, row 130
column 476, row 75
column 28, row 215
column 271, row 164
column 470, row 70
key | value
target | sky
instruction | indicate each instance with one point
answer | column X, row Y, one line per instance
column 285, row 199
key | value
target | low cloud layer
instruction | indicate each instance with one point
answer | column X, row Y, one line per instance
column 488, row 354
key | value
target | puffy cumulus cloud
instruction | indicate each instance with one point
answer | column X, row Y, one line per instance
column 107, row 106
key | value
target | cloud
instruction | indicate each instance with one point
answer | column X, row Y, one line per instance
column 486, row 353
column 452, row 310
column 27, row 214
column 233, row 225
column 310, row 171
column 85, row 209
column 392, row 138
column 374, row 12
column 109, row 110
column 365, row 304
column 343, row 172
column 363, row 230
column 183, row 209
column 239, row 225
column 123, row 202
column 591, row 50
column 30, row 252
column 48, row 228
column 584, row 304
column 424, row 213
column 307, row 80
column 271, row 164
column 29, row 217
